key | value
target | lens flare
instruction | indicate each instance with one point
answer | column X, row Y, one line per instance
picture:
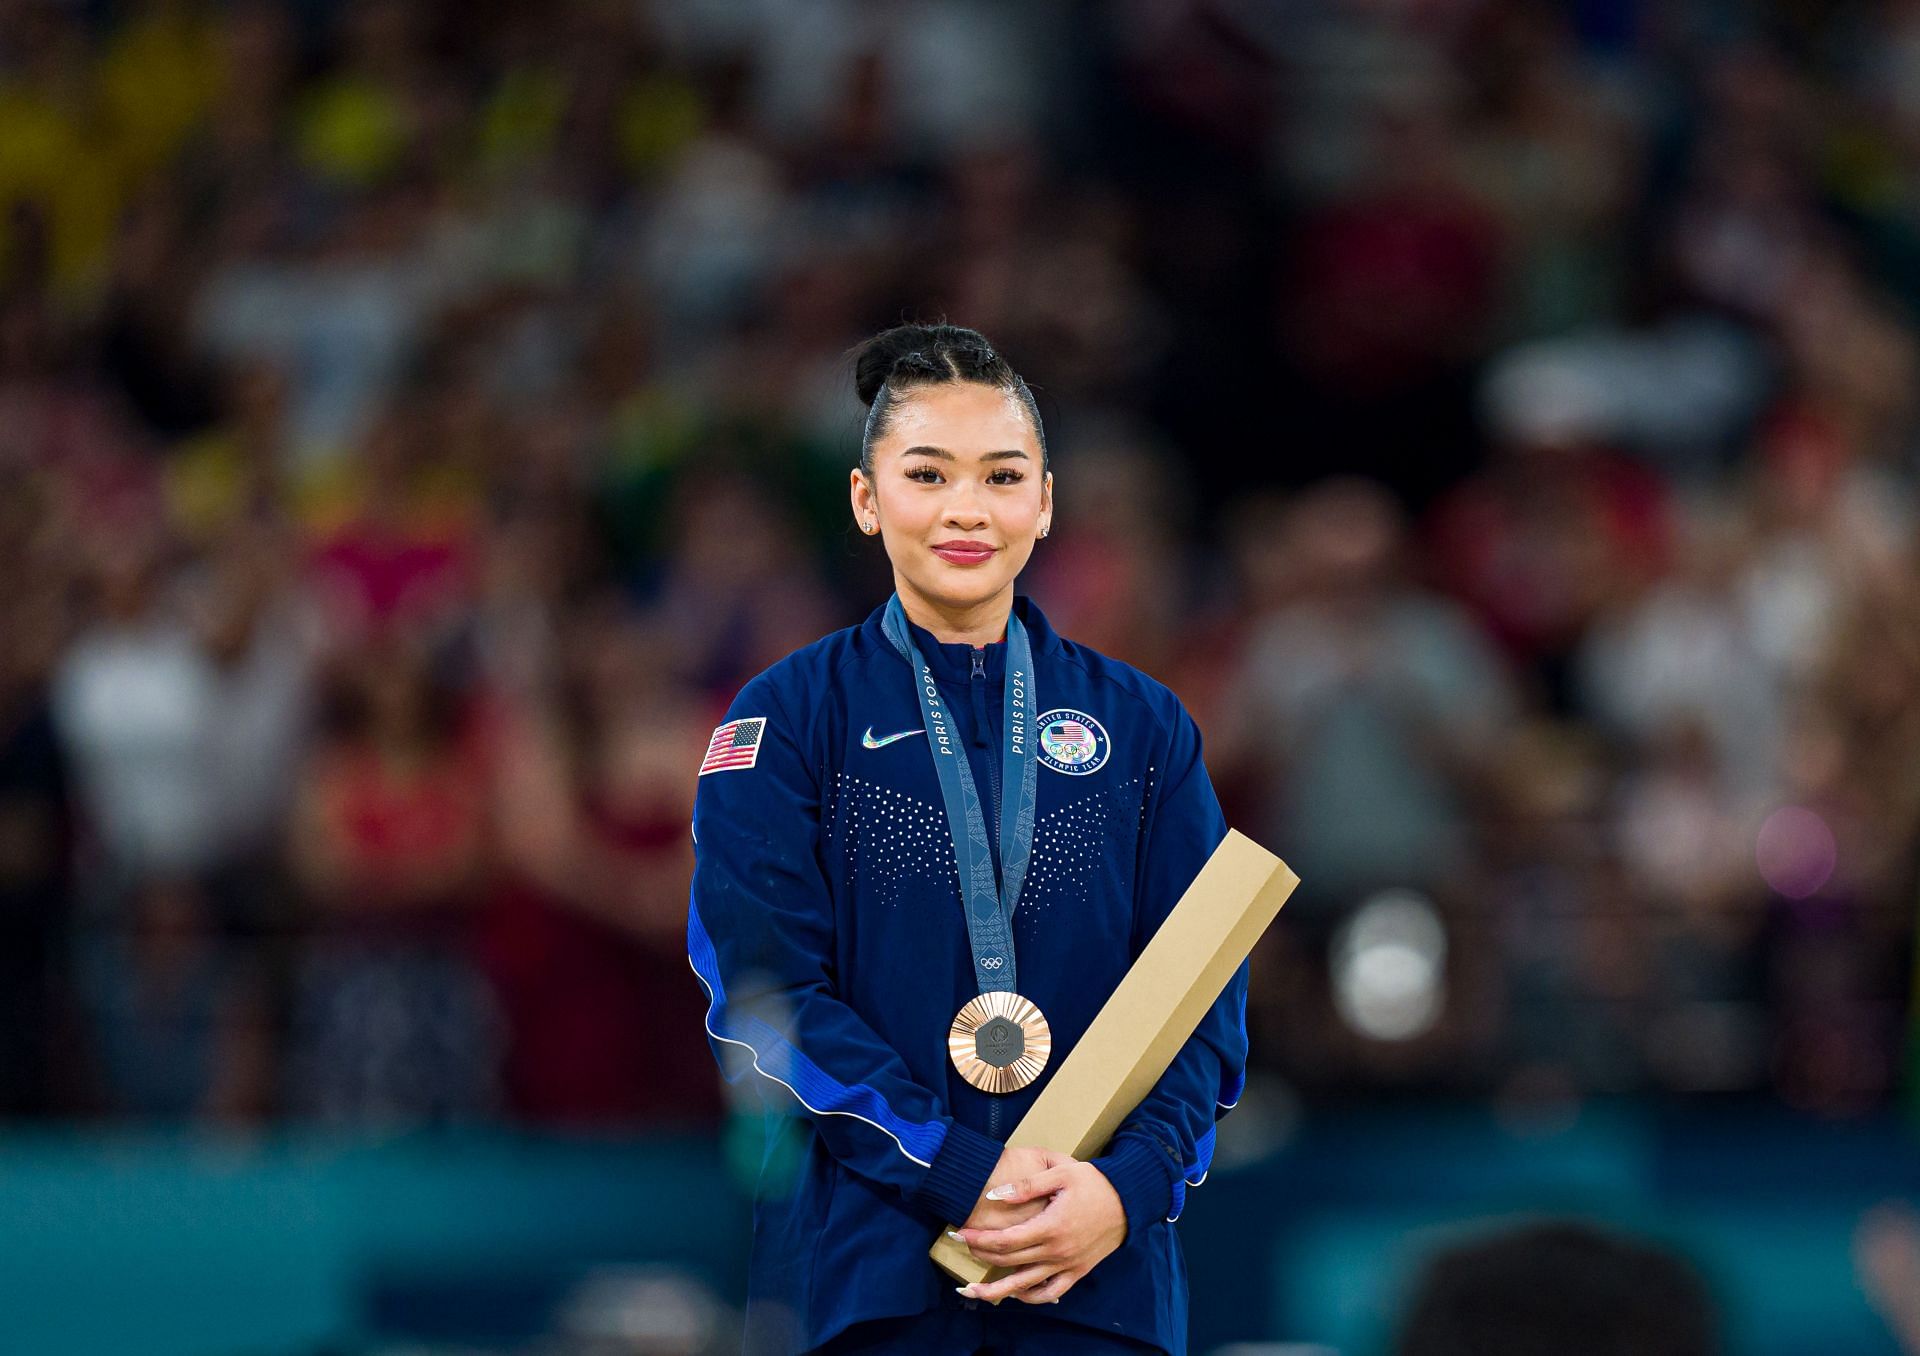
column 1795, row 851
column 1389, row 967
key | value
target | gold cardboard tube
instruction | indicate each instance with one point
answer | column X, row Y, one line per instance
column 1150, row 1015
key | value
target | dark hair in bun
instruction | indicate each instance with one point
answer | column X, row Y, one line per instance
column 907, row 356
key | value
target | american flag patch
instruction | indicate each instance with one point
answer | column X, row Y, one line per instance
column 735, row 744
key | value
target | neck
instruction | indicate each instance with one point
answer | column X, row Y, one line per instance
column 982, row 623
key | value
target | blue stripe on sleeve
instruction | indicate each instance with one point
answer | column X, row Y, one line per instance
column 1202, row 1159
column 778, row 1059
column 1194, row 1175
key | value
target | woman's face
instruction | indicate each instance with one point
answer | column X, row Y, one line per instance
column 957, row 494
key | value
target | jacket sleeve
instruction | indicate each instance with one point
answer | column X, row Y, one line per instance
column 760, row 936
column 1166, row 1144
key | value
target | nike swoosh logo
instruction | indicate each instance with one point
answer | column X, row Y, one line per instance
column 868, row 741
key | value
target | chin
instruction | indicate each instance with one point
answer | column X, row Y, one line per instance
column 958, row 587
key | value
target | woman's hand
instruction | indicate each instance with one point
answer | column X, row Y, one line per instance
column 1015, row 1164
column 1081, row 1222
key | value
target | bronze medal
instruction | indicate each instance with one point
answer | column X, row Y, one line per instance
column 999, row 1042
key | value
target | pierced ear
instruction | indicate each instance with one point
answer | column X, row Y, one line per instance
column 864, row 514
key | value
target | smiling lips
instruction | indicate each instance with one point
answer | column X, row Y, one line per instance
column 964, row 552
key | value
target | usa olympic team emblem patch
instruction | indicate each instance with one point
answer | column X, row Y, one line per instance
column 1073, row 742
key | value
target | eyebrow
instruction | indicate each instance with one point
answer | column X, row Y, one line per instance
column 1007, row 454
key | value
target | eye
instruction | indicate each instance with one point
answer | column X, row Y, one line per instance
column 926, row 475
column 1005, row 478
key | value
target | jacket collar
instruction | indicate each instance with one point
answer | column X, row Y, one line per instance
column 954, row 663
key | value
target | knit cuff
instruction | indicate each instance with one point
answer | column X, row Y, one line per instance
column 1142, row 1172
column 958, row 1173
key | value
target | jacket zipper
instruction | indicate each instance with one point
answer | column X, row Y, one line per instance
column 980, row 723
column 977, row 684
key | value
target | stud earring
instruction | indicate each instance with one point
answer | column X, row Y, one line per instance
column 868, row 526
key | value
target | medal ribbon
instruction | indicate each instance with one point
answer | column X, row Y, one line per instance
column 989, row 904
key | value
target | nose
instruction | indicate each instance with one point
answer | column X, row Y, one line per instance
column 964, row 512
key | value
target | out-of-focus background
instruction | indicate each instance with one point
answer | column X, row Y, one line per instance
column 1495, row 419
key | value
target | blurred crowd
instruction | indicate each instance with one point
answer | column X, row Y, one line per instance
column 1494, row 419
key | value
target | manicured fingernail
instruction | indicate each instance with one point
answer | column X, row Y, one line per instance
column 966, row 1290
column 954, row 1234
column 1053, row 1301
column 1001, row 1192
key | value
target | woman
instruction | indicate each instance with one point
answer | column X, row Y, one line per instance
column 912, row 894
column 392, row 1021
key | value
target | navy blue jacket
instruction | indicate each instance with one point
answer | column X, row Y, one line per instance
column 826, row 926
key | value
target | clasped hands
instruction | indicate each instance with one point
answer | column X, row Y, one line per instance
column 1049, row 1217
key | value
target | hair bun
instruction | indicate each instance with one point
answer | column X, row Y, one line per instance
column 905, row 357
column 924, row 350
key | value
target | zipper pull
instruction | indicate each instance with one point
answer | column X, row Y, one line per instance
column 978, row 688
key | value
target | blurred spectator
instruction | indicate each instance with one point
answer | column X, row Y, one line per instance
column 1563, row 1289
column 1685, row 658
column 340, row 317
column 137, row 703
column 1542, row 540
column 586, row 938
column 1363, row 721
column 184, row 706
column 392, row 1020
column 394, row 549
column 1371, row 706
